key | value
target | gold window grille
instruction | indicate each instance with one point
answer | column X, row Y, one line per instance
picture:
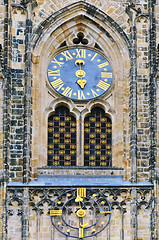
column 97, row 139
column 61, row 138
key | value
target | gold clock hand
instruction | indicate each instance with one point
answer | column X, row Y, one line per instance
column 80, row 73
column 81, row 192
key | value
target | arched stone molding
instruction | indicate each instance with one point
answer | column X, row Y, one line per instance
column 62, row 102
column 108, row 111
column 98, row 103
column 66, row 23
column 49, row 37
column 114, row 9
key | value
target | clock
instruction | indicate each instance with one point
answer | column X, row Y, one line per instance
column 80, row 74
column 80, row 213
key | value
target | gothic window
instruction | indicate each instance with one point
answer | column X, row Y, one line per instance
column 61, row 138
column 97, row 139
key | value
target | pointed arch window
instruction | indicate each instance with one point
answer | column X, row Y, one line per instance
column 97, row 139
column 61, row 138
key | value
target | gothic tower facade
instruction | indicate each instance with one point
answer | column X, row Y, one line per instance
column 79, row 119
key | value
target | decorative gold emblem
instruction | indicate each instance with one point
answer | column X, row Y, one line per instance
column 81, row 83
column 80, row 199
column 80, row 73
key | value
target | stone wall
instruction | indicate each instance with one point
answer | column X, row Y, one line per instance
column 32, row 32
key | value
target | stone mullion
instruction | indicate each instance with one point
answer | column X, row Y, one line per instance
column 152, row 92
column 133, row 210
column 131, row 11
column 27, row 103
column 152, row 88
column 25, row 216
column 5, row 122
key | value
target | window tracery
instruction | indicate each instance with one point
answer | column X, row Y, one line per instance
column 97, row 139
column 61, row 138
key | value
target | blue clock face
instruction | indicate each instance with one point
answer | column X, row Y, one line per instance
column 80, row 74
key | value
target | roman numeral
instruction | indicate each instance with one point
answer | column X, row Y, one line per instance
column 53, row 73
column 81, row 95
column 94, row 93
column 105, row 212
column 103, row 85
column 94, row 57
column 67, row 92
column 55, row 61
column 103, row 64
column 81, row 53
column 67, row 55
column 106, row 74
column 57, row 84
column 55, row 213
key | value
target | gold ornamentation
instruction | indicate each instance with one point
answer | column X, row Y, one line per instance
column 68, row 118
column 86, row 152
column 108, row 124
column 67, row 163
column 92, row 135
column 73, row 146
column 98, row 152
column 56, row 140
column 92, row 119
column 87, row 130
column 67, row 157
column 61, row 129
column 67, row 140
column 103, row 141
column 79, row 62
column 92, row 141
column 81, row 192
column 108, row 152
column 62, row 124
column 56, row 157
column 56, row 118
column 81, row 83
column 97, row 146
column 73, row 130
column 55, row 213
column 73, row 124
column 108, row 147
column 67, row 135
column 98, row 130
column 62, row 146
column 103, row 136
column 56, row 135
column 86, row 124
column 92, row 157
column 50, row 129
column 61, row 152
column 51, row 146
column 103, row 164
column 50, row 123
column 92, row 164
column 103, row 119
column 73, row 152
column 56, row 163
column 86, row 147
column 50, row 152
column 109, row 130
column 97, row 124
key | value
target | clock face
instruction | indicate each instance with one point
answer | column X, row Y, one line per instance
column 80, row 74
column 80, row 213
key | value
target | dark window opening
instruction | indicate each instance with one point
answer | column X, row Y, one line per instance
column 61, row 138
column 97, row 139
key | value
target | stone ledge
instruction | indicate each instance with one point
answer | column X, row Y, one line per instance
column 92, row 171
